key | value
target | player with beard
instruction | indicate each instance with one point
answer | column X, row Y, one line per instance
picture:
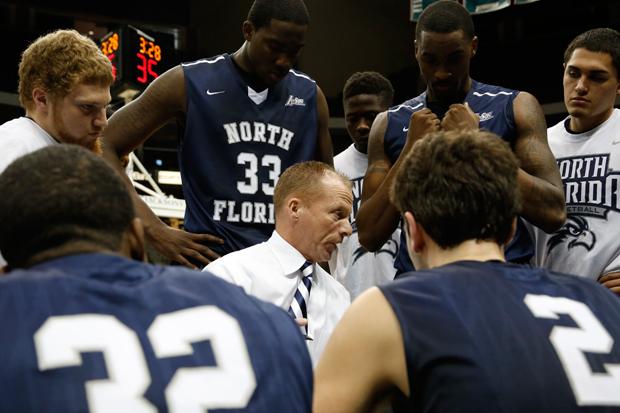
column 64, row 87
column 445, row 43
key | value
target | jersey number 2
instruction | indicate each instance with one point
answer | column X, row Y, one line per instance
column 600, row 389
column 230, row 384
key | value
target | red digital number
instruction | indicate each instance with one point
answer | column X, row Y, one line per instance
column 146, row 68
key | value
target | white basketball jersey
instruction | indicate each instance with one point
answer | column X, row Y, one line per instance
column 356, row 268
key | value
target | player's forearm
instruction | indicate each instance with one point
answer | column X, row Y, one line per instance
column 375, row 228
column 377, row 217
column 542, row 203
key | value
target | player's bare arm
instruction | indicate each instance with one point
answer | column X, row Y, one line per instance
column 539, row 178
column 354, row 381
column 128, row 128
column 325, row 151
column 377, row 218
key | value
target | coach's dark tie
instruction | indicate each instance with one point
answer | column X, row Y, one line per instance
column 299, row 305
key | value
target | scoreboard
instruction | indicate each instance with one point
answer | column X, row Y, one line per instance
column 138, row 57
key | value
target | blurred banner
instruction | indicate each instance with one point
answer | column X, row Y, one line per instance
column 473, row 6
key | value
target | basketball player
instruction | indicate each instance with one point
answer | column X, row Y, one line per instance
column 587, row 147
column 246, row 118
column 365, row 95
column 469, row 332
column 85, row 328
column 64, row 87
column 444, row 46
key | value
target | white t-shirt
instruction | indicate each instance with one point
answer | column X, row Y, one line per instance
column 356, row 268
column 19, row 137
column 270, row 271
column 589, row 242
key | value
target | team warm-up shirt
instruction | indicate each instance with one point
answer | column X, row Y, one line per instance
column 351, row 264
column 98, row 332
column 237, row 142
column 497, row 337
column 493, row 104
column 19, row 137
column 589, row 242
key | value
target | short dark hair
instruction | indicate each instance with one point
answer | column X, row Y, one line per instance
column 262, row 11
column 460, row 185
column 58, row 195
column 600, row 40
column 445, row 16
column 369, row 83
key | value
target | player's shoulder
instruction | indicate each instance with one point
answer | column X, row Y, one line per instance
column 407, row 107
column 484, row 89
column 301, row 77
column 208, row 61
column 343, row 159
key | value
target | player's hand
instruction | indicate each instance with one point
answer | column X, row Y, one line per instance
column 179, row 245
column 460, row 117
column 421, row 123
column 611, row 281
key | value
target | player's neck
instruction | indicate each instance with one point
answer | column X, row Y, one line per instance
column 584, row 124
column 44, row 123
column 70, row 248
column 244, row 67
column 470, row 250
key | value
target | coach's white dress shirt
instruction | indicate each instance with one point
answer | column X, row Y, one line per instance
column 270, row 271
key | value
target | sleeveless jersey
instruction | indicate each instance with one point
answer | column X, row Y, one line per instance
column 234, row 149
column 497, row 337
column 98, row 331
column 355, row 267
column 589, row 163
column 493, row 104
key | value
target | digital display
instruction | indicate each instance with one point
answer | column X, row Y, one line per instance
column 137, row 57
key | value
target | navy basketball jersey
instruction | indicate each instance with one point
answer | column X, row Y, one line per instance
column 493, row 104
column 236, row 144
column 100, row 333
column 497, row 337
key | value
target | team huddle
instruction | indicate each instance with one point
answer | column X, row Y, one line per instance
column 458, row 256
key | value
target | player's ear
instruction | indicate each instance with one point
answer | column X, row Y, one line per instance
column 415, row 234
column 248, row 30
column 40, row 98
column 134, row 240
column 474, row 46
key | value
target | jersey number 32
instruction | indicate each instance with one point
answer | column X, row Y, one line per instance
column 230, row 384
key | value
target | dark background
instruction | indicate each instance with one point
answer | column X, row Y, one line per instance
column 520, row 46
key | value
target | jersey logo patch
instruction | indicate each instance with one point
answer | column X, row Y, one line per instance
column 484, row 116
column 294, row 101
column 215, row 93
column 575, row 233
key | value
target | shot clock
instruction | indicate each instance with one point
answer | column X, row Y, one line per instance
column 138, row 57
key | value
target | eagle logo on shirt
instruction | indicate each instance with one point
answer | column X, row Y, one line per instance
column 576, row 233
